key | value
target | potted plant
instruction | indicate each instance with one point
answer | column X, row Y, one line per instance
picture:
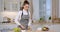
column 16, row 29
column 9, row 20
column 45, row 29
column 50, row 19
column 41, row 19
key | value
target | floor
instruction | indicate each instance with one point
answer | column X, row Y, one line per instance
column 9, row 27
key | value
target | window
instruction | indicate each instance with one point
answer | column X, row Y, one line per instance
column 42, row 8
column 45, row 8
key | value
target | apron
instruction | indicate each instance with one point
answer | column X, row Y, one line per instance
column 24, row 20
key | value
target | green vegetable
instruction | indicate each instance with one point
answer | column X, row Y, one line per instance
column 17, row 29
column 41, row 19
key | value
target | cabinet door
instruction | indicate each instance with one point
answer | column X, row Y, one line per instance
column 1, row 18
column 11, row 5
column 1, row 5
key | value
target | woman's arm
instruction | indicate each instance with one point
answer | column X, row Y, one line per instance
column 18, row 17
column 30, row 20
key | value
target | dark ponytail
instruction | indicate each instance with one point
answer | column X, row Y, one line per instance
column 21, row 8
column 25, row 2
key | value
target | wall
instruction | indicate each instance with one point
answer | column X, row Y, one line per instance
column 0, row 5
column 55, row 8
column 9, row 14
column 59, row 8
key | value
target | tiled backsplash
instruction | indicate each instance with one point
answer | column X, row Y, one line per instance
column 9, row 14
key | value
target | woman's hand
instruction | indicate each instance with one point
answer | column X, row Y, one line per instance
column 22, row 27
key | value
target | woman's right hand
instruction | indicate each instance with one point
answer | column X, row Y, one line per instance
column 22, row 27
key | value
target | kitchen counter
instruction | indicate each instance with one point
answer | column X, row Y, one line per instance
column 7, row 26
column 10, row 26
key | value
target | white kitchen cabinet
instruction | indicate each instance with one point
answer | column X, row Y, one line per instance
column 11, row 5
column 1, row 5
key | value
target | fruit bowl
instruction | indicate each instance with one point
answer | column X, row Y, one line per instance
column 45, row 29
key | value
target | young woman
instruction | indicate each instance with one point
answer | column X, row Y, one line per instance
column 23, row 19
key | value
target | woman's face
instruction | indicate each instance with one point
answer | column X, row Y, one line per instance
column 26, row 6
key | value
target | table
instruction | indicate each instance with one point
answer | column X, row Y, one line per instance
column 45, row 31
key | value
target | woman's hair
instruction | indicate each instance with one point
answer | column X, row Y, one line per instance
column 25, row 2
